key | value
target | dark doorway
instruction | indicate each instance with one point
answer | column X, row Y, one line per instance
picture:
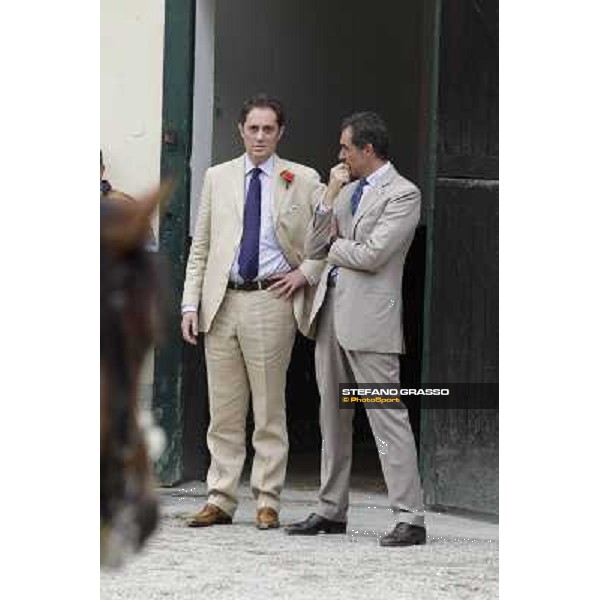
column 325, row 60
column 288, row 50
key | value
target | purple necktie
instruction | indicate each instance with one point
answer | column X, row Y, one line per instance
column 248, row 258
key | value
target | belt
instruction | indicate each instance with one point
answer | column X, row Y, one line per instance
column 251, row 286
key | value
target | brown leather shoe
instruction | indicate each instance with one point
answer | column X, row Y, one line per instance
column 267, row 518
column 210, row 515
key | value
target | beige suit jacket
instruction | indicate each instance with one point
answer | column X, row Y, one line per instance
column 370, row 251
column 218, row 233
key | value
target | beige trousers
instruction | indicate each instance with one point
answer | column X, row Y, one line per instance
column 248, row 349
column 391, row 427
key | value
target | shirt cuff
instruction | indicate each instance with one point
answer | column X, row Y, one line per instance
column 188, row 308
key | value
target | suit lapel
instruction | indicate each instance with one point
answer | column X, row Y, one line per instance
column 371, row 196
column 279, row 190
column 238, row 187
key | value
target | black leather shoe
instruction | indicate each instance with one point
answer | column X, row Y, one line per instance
column 315, row 524
column 404, row 534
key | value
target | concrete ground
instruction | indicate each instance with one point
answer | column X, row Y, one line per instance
column 238, row 562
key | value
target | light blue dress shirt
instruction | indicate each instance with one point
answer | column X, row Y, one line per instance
column 271, row 259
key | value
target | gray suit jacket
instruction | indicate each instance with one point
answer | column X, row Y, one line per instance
column 370, row 251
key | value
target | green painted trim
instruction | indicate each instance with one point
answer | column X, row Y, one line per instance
column 432, row 31
column 432, row 25
column 178, row 92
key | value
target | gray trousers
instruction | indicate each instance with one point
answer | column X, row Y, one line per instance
column 390, row 427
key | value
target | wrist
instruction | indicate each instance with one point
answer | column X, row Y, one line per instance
column 331, row 194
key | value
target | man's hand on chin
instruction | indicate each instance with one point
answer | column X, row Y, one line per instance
column 339, row 176
column 287, row 284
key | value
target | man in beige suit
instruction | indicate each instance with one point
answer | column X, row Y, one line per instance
column 364, row 229
column 248, row 275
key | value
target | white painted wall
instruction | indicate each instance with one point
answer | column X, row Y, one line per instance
column 202, row 133
column 131, row 79
column 131, row 67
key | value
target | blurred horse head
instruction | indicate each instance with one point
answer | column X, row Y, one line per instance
column 131, row 307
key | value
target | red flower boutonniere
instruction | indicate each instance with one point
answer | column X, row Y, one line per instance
column 288, row 177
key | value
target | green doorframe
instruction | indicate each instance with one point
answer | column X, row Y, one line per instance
column 178, row 92
column 432, row 33
column 459, row 448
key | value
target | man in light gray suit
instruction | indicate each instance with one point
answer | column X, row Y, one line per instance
column 364, row 229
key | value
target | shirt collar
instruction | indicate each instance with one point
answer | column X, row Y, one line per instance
column 375, row 176
column 267, row 167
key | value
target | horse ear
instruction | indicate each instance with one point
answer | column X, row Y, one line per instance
column 127, row 224
column 151, row 202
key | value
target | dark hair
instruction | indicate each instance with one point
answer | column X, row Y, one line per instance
column 369, row 128
column 263, row 101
